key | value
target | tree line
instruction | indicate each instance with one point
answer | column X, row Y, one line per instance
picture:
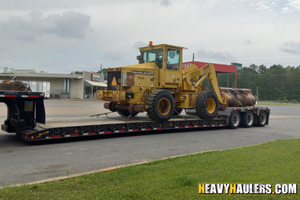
column 273, row 83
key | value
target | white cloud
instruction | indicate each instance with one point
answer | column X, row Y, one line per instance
column 215, row 56
column 139, row 44
column 69, row 35
column 291, row 47
column 286, row 10
column 68, row 25
column 263, row 5
column 295, row 4
column 114, row 55
column 165, row 2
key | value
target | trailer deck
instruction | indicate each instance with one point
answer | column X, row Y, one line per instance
column 26, row 117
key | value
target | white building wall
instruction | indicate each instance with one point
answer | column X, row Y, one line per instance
column 76, row 88
column 88, row 90
column 58, row 86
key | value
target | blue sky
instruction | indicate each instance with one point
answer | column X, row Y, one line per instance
column 66, row 36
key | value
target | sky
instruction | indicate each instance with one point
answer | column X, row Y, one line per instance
column 74, row 35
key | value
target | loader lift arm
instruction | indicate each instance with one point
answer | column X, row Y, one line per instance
column 191, row 75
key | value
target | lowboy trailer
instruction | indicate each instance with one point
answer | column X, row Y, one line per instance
column 26, row 117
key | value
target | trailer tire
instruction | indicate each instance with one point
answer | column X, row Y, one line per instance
column 234, row 120
column 125, row 113
column 161, row 105
column 262, row 118
column 207, row 104
column 247, row 119
column 177, row 111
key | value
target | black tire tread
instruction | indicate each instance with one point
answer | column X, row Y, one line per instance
column 152, row 111
column 230, row 124
column 201, row 105
column 244, row 120
column 258, row 119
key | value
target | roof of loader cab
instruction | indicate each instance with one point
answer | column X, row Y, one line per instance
column 161, row 45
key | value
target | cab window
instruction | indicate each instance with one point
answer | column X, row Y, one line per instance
column 154, row 55
column 173, row 59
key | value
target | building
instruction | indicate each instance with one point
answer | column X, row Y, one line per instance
column 74, row 86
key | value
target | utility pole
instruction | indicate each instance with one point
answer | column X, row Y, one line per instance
column 257, row 92
column 193, row 57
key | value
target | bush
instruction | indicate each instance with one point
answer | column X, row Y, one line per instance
column 285, row 101
column 280, row 101
column 295, row 101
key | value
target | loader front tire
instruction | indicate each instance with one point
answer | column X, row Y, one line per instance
column 161, row 105
column 207, row 105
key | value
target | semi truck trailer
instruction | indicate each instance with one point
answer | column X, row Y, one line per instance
column 26, row 117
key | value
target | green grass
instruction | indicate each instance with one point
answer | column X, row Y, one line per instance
column 178, row 178
column 277, row 104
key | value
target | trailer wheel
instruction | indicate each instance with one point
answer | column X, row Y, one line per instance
column 125, row 113
column 234, row 120
column 161, row 105
column 207, row 104
column 177, row 111
column 248, row 119
column 262, row 119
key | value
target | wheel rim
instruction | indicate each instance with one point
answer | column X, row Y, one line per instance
column 263, row 118
column 250, row 119
column 210, row 105
column 235, row 120
column 164, row 106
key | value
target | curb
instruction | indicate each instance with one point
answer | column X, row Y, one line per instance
column 60, row 178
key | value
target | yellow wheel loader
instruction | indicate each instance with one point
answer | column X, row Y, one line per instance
column 159, row 86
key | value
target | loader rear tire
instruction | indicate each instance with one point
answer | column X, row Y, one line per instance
column 161, row 105
column 207, row 105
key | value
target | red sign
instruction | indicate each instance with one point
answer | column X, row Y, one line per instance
column 95, row 77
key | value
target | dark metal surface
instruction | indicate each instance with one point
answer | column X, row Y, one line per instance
column 15, row 85
column 238, row 96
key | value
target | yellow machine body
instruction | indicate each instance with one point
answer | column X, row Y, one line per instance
column 159, row 68
column 141, row 79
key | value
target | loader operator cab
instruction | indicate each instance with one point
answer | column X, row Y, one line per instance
column 153, row 55
column 168, row 59
column 156, row 55
column 173, row 59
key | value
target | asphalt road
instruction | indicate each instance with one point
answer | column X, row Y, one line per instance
column 22, row 162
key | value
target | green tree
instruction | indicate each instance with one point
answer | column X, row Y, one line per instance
column 78, row 72
column 104, row 72
column 262, row 69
